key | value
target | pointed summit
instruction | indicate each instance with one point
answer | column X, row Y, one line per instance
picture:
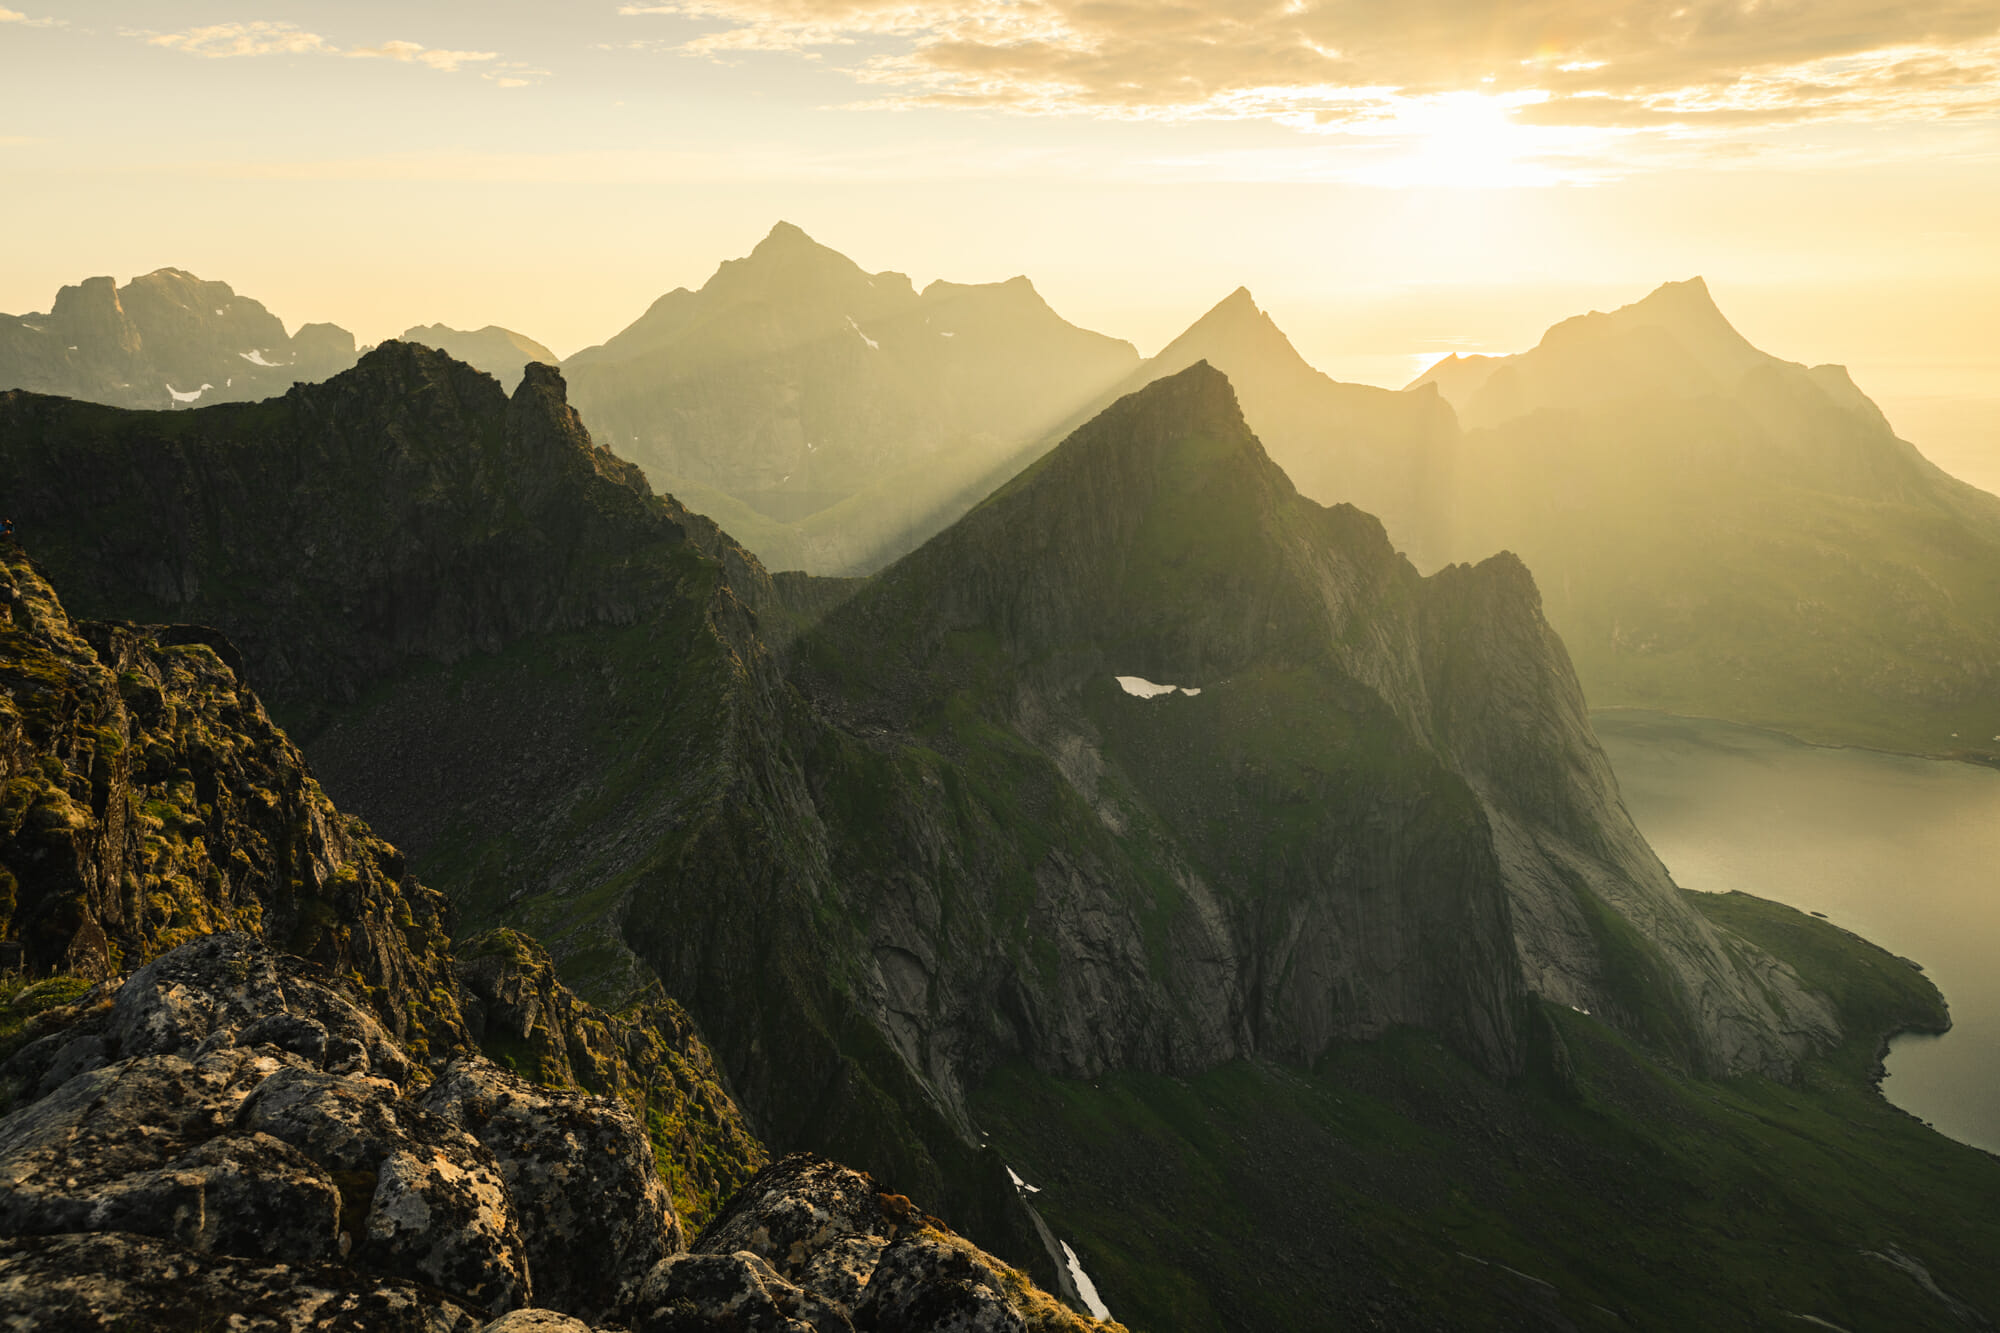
column 1240, row 339
column 1685, row 312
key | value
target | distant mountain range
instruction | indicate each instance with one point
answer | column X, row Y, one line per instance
column 1720, row 532
column 168, row 339
column 1717, row 531
column 164, row 340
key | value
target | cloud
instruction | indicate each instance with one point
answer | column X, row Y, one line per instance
column 1341, row 66
column 223, row 40
column 16, row 16
column 413, row 53
column 262, row 38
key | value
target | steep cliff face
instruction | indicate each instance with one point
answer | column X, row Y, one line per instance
column 1380, row 803
column 149, row 799
column 163, row 340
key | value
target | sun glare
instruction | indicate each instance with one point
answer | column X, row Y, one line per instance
column 1465, row 140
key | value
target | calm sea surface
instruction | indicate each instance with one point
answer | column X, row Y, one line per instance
column 1905, row 852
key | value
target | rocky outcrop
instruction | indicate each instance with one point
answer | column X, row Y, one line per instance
column 648, row 1055
column 224, row 1099
column 226, row 1130
column 810, row 1244
column 164, row 340
column 149, row 799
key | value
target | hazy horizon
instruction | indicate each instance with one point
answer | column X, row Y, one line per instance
column 1830, row 171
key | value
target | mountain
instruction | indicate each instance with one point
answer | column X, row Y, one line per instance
column 166, row 339
column 833, row 418
column 285, row 1097
column 501, row 353
column 1727, row 534
column 1261, row 984
column 1381, row 451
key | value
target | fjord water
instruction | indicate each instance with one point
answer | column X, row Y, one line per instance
column 1903, row 851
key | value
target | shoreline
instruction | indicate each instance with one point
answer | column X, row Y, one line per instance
column 1975, row 758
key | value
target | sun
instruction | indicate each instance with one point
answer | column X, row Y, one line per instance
column 1464, row 140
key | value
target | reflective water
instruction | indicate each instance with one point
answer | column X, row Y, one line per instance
column 1903, row 851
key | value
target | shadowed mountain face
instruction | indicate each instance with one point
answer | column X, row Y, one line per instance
column 933, row 832
column 1724, row 533
column 501, row 353
column 164, row 340
column 833, row 418
column 1381, row 451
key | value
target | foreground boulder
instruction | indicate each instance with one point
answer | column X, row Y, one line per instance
column 227, row 1103
column 229, row 1134
column 810, row 1246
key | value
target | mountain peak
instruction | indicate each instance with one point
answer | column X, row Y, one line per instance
column 785, row 236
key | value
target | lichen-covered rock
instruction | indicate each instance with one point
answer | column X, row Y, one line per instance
column 146, row 798
column 121, row 1283
column 796, row 1208
column 927, row 1284
column 436, row 1206
column 536, row 1321
column 730, row 1293
column 594, row 1214
column 227, row 1101
column 648, row 1055
column 875, row 1259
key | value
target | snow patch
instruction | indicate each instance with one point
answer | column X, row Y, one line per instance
column 864, row 337
column 1146, row 689
column 1084, row 1286
column 944, row 334
column 189, row 396
column 1021, row 1184
column 256, row 358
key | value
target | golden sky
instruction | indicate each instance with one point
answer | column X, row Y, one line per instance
column 1391, row 181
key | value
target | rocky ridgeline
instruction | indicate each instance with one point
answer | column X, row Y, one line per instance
column 149, row 798
column 226, row 1135
column 484, row 517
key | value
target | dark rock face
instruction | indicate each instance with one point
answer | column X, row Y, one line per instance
column 164, row 340
column 150, row 798
column 485, row 518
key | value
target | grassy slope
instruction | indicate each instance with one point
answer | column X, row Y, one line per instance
column 1393, row 1186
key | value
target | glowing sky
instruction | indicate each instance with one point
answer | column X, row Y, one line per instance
column 1391, row 181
